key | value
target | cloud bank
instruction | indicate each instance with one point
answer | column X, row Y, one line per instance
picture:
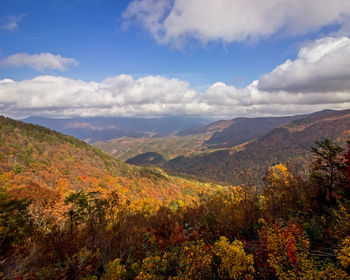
column 322, row 66
column 317, row 79
column 173, row 21
column 40, row 61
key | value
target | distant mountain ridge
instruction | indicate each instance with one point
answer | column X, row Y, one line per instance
column 239, row 130
column 93, row 129
column 212, row 127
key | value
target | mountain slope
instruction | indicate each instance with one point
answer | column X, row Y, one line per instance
column 38, row 159
column 148, row 158
column 245, row 129
column 290, row 142
column 210, row 128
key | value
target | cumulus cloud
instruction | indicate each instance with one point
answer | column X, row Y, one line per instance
column 172, row 21
column 12, row 22
column 317, row 79
column 153, row 96
column 321, row 66
column 121, row 96
column 40, row 61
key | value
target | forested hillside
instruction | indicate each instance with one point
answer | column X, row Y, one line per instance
column 39, row 157
column 242, row 130
column 247, row 163
column 169, row 147
column 69, row 211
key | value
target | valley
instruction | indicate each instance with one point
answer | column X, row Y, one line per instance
column 194, row 140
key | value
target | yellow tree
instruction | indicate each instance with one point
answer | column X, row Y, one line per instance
column 280, row 193
column 344, row 253
column 234, row 262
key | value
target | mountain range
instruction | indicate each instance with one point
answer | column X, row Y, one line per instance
column 194, row 140
column 236, row 151
column 92, row 129
column 236, row 162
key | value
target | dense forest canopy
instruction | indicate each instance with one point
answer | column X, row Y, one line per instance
column 295, row 227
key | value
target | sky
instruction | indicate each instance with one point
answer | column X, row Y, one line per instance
column 147, row 58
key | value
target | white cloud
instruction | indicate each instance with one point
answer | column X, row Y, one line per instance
column 317, row 79
column 172, row 21
column 120, row 95
column 39, row 61
column 322, row 66
column 153, row 96
column 149, row 12
column 251, row 101
column 12, row 22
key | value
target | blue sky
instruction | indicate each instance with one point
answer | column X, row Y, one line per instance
column 92, row 32
column 149, row 43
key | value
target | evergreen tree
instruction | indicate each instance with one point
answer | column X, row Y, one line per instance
column 327, row 171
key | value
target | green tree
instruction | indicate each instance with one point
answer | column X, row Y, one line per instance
column 86, row 208
column 327, row 171
column 14, row 221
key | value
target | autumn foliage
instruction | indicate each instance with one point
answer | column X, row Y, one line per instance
column 68, row 211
